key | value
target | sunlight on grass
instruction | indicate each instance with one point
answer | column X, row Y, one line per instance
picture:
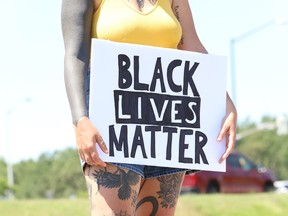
column 62, row 207
column 264, row 204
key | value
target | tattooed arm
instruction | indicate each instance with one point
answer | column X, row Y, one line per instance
column 76, row 21
column 191, row 42
column 76, row 18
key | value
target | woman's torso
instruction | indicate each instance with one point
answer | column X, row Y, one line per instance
column 118, row 20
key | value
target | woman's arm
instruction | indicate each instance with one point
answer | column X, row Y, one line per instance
column 76, row 26
column 229, row 128
column 191, row 42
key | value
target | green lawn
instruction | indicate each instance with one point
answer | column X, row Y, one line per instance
column 264, row 204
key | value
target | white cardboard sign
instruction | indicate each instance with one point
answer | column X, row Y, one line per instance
column 158, row 106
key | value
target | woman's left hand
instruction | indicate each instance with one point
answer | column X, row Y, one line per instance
column 228, row 129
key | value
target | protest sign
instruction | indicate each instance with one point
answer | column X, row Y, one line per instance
column 158, row 106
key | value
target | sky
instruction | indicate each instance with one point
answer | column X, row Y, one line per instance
column 34, row 112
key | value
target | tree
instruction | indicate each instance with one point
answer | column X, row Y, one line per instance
column 3, row 177
column 67, row 176
column 52, row 175
column 268, row 149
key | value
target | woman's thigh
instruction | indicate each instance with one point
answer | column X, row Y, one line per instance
column 159, row 196
column 112, row 190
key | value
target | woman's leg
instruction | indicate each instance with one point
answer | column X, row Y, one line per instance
column 112, row 190
column 159, row 196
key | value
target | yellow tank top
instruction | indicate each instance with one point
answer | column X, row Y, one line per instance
column 117, row 20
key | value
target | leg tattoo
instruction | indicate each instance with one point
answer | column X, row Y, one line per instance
column 169, row 189
column 134, row 198
column 118, row 179
column 153, row 201
column 122, row 213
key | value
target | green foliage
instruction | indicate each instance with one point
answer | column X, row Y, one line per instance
column 67, row 176
column 3, row 186
column 268, row 119
column 3, row 177
column 268, row 149
column 245, row 125
column 3, row 168
column 51, row 176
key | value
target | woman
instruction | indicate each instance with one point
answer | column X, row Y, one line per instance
column 126, row 189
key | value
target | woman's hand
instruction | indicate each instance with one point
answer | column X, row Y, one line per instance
column 87, row 136
column 228, row 129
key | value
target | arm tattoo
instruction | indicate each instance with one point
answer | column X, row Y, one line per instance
column 169, row 189
column 176, row 12
column 118, row 179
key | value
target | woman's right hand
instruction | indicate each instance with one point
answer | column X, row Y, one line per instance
column 87, row 137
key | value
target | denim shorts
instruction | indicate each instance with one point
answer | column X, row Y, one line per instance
column 145, row 171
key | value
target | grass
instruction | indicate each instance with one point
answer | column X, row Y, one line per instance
column 264, row 204
column 54, row 207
